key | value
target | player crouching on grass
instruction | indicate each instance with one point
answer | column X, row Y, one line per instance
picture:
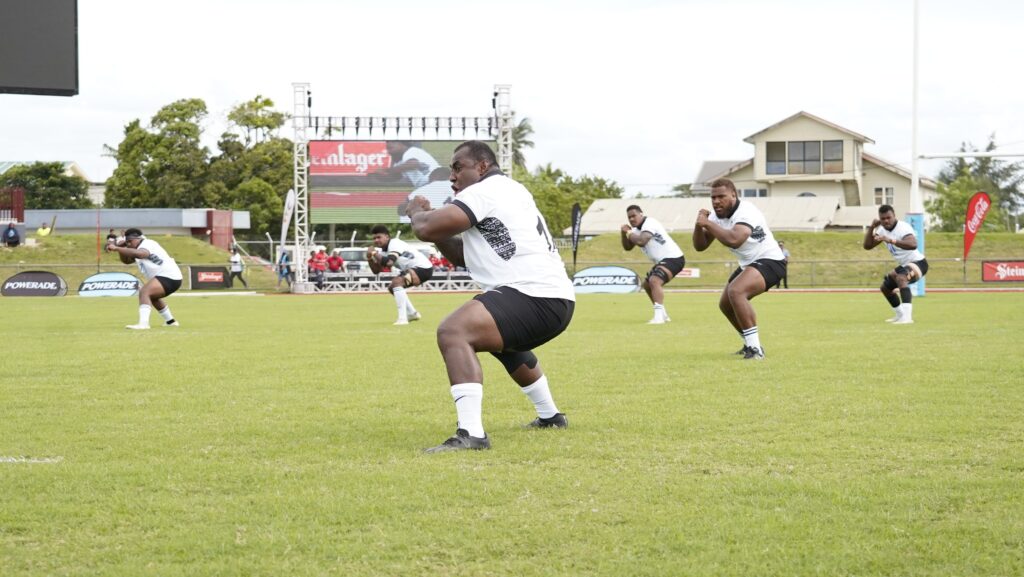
column 413, row 266
column 163, row 276
column 899, row 235
column 655, row 242
column 741, row 227
column 494, row 229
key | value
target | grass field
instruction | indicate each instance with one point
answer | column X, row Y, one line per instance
column 282, row 435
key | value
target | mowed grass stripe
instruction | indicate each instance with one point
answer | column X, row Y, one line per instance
column 282, row 435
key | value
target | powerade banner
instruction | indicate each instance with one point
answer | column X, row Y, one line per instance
column 34, row 283
column 208, row 277
column 606, row 279
column 109, row 284
column 1002, row 271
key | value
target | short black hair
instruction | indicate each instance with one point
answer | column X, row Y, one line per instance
column 885, row 208
column 380, row 229
column 132, row 233
column 634, row 207
column 479, row 151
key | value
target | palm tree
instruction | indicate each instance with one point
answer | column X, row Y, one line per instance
column 520, row 140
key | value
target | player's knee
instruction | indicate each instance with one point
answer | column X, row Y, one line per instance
column 449, row 335
column 513, row 360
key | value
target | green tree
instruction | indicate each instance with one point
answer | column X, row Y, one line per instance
column 950, row 203
column 521, row 134
column 555, row 192
column 261, row 200
column 258, row 119
column 1002, row 180
column 164, row 166
column 47, row 186
column 683, row 190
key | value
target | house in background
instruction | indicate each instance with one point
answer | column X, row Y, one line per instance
column 807, row 156
column 806, row 174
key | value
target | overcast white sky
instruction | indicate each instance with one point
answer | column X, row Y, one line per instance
column 636, row 91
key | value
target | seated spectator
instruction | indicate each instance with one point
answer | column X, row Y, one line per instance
column 317, row 267
column 11, row 236
column 436, row 262
column 335, row 263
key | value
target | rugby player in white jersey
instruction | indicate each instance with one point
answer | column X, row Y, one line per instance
column 741, row 227
column 528, row 299
column 899, row 237
column 163, row 276
column 413, row 266
column 652, row 238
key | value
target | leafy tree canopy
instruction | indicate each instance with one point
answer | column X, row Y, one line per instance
column 47, row 186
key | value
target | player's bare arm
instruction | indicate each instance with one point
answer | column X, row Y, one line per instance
column 451, row 248
column 871, row 240
column 701, row 239
column 641, row 239
column 436, row 225
column 627, row 244
column 373, row 259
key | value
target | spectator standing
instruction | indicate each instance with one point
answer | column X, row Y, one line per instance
column 43, row 230
column 237, row 267
column 284, row 268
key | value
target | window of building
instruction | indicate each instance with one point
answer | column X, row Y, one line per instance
column 833, row 156
column 776, row 158
column 883, row 195
column 804, row 157
column 754, row 193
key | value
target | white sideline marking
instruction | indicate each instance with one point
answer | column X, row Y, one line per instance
column 32, row 460
column 223, row 294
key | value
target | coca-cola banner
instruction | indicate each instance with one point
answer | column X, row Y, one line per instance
column 977, row 208
column 35, row 283
column 1002, row 271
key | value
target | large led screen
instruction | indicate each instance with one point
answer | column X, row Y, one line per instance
column 39, row 47
column 370, row 182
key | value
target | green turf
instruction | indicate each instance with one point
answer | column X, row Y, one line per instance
column 281, row 435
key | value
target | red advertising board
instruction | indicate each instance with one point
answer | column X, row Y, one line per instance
column 1002, row 271
column 332, row 157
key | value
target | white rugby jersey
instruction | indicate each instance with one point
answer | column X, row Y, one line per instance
column 902, row 255
column 419, row 176
column 509, row 243
column 406, row 257
column 158, row 263
column 761, row 242
column 661, row 246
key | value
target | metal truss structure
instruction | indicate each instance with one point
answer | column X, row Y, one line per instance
column 498, row 126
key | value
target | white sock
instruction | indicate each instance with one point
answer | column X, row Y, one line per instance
column 469, row 399
column 540, row 394
column 409, row 309
column 898, row 310
column 400, row 301
column 751, row 338
column 166, row 314
column 144, row 315
column 908, row 310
